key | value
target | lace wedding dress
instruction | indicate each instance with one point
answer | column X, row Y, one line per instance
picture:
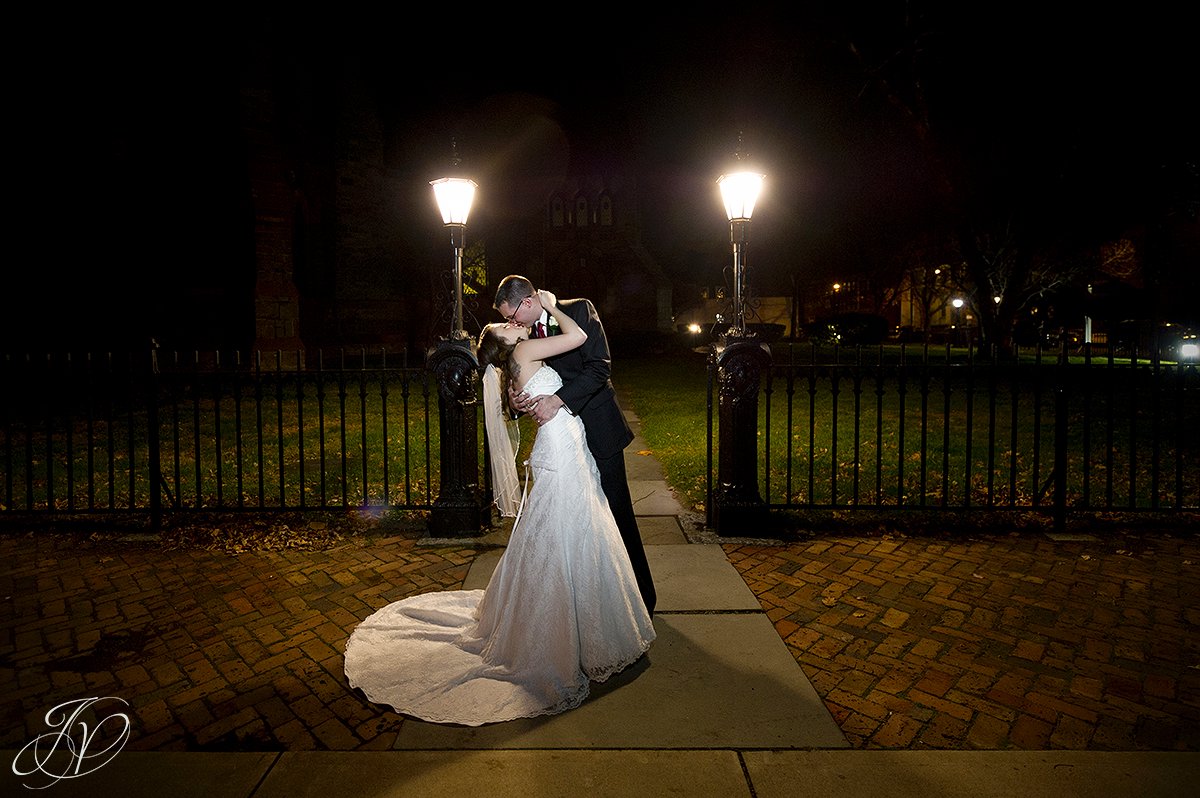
column 561, row 610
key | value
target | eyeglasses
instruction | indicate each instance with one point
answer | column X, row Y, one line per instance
column 509, row 318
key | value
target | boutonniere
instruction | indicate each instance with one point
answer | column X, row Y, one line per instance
column 552, row 327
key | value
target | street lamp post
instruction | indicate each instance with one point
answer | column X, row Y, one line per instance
column 740, row 361
column 739, row 192
column 460, row 509
column 454, row 197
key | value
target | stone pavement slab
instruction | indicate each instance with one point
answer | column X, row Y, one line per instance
column 569, row 773
column 140, row 774
column 659, row 530
column 979, row 774
column 652, row 498
column 687, row 576
column 694, row 577
column 710, row 681
column 508, row 774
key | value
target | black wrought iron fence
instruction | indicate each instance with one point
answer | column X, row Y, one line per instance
column 143, row 433
column 954, row 429
column 890, row 427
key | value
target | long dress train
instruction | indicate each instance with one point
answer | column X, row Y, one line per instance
column 561, row 610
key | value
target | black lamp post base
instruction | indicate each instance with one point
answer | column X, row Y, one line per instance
column 738, row 508
column 463, row 518
column 740, row 518
column 460, row 509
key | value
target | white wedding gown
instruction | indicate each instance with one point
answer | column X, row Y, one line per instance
column 562, row 608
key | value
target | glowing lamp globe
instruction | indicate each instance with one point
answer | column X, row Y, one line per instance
column 454, row 196
column 739, row 192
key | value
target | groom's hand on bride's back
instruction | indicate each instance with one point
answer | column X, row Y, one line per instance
column 540, row 408
column 519, row 400
column 544, row 407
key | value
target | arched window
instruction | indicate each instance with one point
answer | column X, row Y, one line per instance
column 581, row 211
column 556, row 211
column 605, row 210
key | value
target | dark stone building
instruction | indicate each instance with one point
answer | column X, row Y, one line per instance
column 593, row 248
column 350, row 252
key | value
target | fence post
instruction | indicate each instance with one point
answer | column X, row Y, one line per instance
column 460, row 509
column 154, row 460
column 1060, row 443
column 738, row 507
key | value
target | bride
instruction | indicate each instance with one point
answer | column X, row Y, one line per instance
column 562, row 608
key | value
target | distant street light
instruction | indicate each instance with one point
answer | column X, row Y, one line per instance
column 454, row 197
column 956, row 322
column 739, row 191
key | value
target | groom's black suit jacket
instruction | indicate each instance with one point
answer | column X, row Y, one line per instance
column 587, row 387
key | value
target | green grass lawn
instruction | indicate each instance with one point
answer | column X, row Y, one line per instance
column 947, row 436
column 668, row 394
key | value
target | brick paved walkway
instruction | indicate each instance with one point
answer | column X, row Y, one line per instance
column 992, row 643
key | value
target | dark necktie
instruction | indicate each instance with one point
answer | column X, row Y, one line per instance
column 541, row 330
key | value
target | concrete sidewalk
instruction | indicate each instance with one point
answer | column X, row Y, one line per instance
column 719, row 707
column 569, row 773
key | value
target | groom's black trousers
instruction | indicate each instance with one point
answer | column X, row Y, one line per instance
column 616, row 489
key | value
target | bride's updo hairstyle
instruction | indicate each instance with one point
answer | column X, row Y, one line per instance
column 494, row 351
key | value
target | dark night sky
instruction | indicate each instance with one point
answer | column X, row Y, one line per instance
column 1086, row 101
column 128, row 158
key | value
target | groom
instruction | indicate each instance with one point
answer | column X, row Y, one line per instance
column 587, row 392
